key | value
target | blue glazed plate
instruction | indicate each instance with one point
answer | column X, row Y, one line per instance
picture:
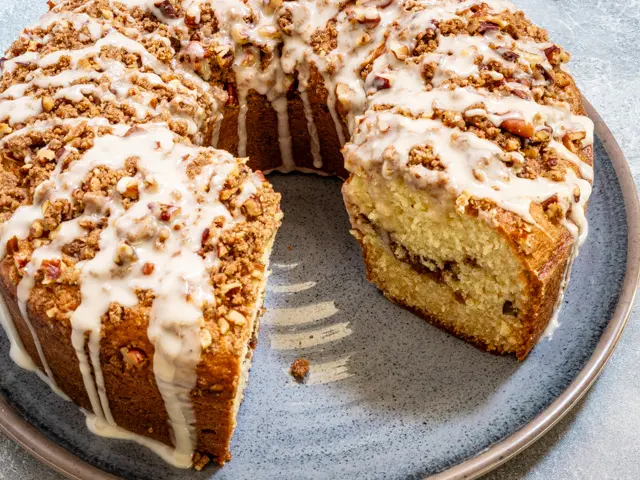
column 388, row 395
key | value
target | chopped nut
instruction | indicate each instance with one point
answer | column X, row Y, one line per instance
column 128, row 187
column 269, row 31
column 192, row 16
column 374, row 3
column 573, row 140
column 343, row 95
column 206, row 233
column 272, row 5
column 479, row 175
column 148, row 268
column 13, row 246
column 239, row 34
column 46, row 154
column 204, row 69
column 134, row 131
column 224, row 55
column 163, row 236
column 381, row 83
column 224, row 326
column 164, row 211
column 166, row 9
column 52, row 270
column 48, row 103
column 401, row 52
column 5, row 129
column 236, row 317
column 252, row 208
column 227, row 287
column 487, row 27
column 37, row 229
column 52, row 312
column 495, row 20
column 133, row 357
column 226, row 193
column 556, row 55
column 576, row 193
column 363, row 39
column 367, row 16
column 125, row 254
column 106, row 14
column 200, row 461
column 150, row 184
column 205, row 338
column 543, row 134
column 562, row 79
column 508, row 55
column 518, row 127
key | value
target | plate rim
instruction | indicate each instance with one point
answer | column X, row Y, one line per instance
column 36, row 443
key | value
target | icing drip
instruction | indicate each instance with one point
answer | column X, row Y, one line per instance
column 331, row 103
column 242, row 122
column 280, row 105
column 313, row 132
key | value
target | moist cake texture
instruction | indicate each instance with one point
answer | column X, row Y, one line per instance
column 136, row 225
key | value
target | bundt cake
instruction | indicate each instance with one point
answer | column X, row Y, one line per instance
column 135, row 254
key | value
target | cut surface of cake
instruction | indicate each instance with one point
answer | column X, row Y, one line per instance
column 135, row 243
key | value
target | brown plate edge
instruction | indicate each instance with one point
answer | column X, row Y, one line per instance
column 45, row 450
column 517, row 442
column 60, row 459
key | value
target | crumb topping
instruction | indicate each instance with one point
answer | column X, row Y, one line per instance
column 300, row 369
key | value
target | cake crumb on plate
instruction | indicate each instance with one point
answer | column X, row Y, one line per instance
column 300, row 369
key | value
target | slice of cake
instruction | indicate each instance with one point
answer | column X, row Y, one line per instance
column 471, row 170
column 475, row 237
column 135, row 279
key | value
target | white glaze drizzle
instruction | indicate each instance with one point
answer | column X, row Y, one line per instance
column 313, row 131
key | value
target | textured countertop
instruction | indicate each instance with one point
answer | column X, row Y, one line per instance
column 600, row 438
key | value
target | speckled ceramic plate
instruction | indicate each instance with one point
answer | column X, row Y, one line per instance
column 388, row 396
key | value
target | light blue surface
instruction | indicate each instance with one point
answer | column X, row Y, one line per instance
column 418, row 399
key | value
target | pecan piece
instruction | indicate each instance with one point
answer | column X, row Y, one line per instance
column 13, row 246
column 518, row 127
column 166, row 9
column 381, row 83
column 133, row 357
column 573, row 140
